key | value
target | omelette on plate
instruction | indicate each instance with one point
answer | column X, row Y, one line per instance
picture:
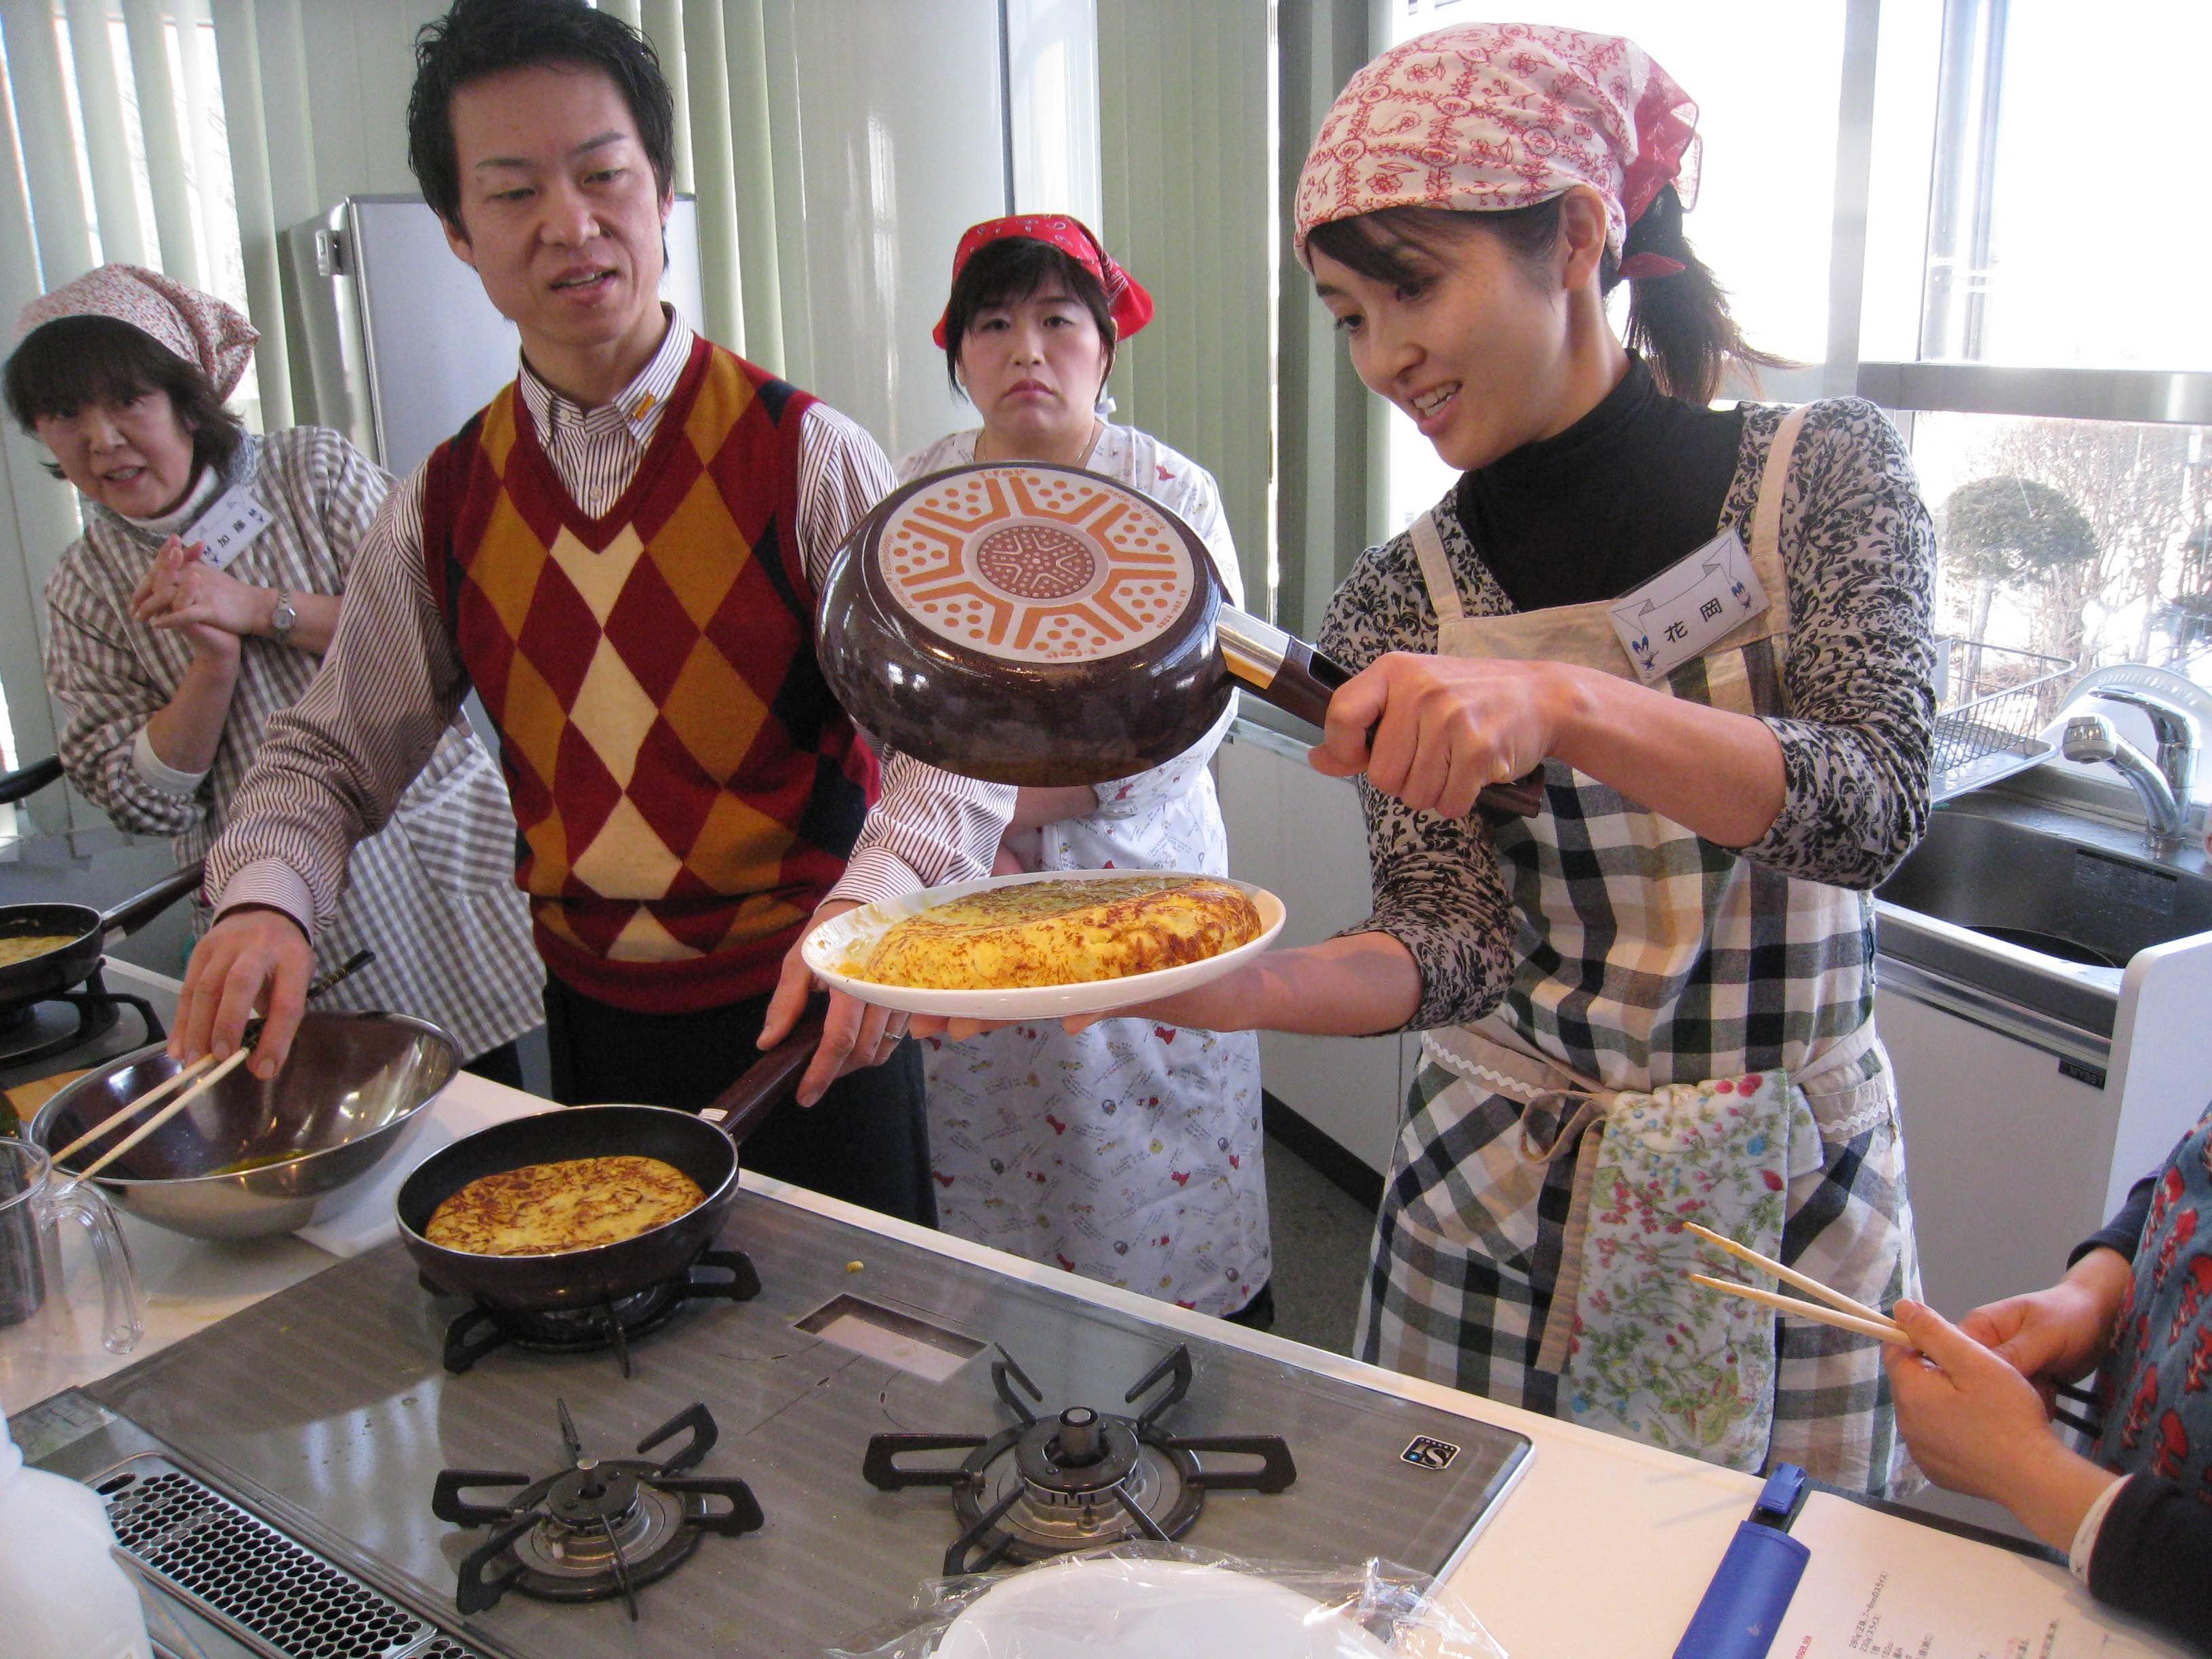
column 543, row 1207
column 1067, row 931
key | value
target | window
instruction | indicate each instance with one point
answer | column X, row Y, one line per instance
column 2056, row 398
column 1939, row 207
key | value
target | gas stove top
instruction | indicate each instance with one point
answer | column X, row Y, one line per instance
column 73, row 1030
column 302, row 1442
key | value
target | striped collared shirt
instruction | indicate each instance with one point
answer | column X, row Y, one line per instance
column 334, row 764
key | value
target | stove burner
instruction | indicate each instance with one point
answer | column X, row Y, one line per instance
column 602, row 1526
column 74, row 1019
column 717, row 1275
column 1081, row 1479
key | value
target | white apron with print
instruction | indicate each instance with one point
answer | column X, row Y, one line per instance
column 1130, row 1152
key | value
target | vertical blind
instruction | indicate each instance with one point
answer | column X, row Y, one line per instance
column 1184, row 96
column 187, row 135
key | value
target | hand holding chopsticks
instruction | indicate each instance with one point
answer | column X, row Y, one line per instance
column 1844, row 1312
column 202, row 1074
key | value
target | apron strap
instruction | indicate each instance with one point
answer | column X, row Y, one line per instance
column 1567, row 1290
column 1436, row 570
column 1766, row 515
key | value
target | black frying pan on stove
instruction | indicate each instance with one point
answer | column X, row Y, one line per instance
column 72, row 936
column 704, row 1145
column 1048, row 626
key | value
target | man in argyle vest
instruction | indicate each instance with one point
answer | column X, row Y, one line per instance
column 619, row 554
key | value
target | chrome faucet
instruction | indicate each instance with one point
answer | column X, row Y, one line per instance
column 2164, row 784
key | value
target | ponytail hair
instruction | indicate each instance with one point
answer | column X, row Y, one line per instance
column 1678, row 314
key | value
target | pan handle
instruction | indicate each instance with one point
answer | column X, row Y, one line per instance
column 28, row 780
column 135, row 913
column 768, row 1082
column 1304, row 680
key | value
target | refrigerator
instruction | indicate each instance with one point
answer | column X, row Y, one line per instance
column 402, row 345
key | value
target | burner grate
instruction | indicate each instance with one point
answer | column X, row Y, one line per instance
column 714, row 1275
column 257, row 1583
column 1083, row 1478
column 601, row 1527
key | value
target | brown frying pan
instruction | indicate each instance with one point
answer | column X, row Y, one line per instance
column 1047, row 626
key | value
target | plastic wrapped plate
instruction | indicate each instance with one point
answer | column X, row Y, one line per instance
column 1112, row 1608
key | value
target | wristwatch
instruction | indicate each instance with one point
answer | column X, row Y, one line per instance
column 281, row 615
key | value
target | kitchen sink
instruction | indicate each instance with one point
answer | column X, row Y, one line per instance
column 2065, row 897
column 2037, row 904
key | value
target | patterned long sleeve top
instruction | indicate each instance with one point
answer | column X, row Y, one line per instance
column 1859, row 551
column 433, row 895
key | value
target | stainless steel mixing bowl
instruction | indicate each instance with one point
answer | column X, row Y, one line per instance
column 251, row 1158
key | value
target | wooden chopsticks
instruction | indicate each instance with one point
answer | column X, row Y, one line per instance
column 1844, row 1312
column 207, row 1081
column 199, row 1070
column 1887, row 1330
column 176, row 1081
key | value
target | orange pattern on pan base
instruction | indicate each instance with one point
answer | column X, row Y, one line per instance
column 1031, row 567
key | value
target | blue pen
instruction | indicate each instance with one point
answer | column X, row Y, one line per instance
column 1743, row 1606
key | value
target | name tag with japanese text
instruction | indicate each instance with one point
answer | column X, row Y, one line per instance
column 226, row 527
column 1688, row 608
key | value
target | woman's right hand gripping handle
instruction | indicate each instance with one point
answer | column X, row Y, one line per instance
column 253, row 959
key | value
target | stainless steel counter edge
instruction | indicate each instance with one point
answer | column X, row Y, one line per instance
column 1994, row 1011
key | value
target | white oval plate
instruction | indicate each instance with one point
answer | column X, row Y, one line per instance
column 831, row 944
column 1116, row 1608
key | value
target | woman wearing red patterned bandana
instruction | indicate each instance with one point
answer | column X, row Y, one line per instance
column 1137, row 1159
column 1653, row 999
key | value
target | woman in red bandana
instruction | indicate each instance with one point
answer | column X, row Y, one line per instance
column 1652, row 999
column 1133, row 1152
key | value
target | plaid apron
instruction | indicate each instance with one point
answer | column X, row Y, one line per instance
column 1648, row 956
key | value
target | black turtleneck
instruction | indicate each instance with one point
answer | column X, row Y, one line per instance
column 1616, row 498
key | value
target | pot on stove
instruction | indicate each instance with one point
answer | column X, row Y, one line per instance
column 78, row 934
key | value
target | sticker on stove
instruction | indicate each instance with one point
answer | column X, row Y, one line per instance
column 1427, row 1454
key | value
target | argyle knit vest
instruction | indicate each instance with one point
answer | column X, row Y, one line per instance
column 685, row 786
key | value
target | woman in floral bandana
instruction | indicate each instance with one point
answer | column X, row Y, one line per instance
column 1129, row 1152
column 1652, row 999
column 197, row 604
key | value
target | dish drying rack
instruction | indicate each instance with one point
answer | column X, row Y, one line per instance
column 1993, row 703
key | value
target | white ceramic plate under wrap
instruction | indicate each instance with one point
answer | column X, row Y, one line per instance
column 1114, row 1608
column 839, row 939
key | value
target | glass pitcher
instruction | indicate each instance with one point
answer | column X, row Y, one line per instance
column 32, row 1205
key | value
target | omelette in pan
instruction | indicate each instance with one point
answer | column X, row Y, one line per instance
column 542, row 1208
